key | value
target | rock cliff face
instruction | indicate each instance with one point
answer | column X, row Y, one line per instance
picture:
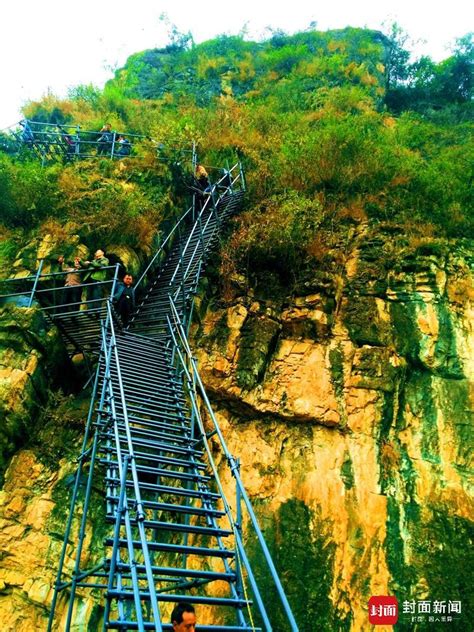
column 30, row 354
column 350, row 407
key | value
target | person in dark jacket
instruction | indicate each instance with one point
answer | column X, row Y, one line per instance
column 203, row 187
column 124, row 298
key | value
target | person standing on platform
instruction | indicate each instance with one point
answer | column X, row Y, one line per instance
column 124, row 298
column 95, row 277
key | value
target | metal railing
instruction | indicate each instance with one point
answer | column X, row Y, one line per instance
column 196, row 392
column 126, row 462
column 52, row 299
column 156, row 259
column 51, row 141
column 128, row 431
column 109, row 402
column 201, row 214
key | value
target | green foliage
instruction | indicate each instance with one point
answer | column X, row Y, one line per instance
column 112, row 206
column 88, row 95
column 9, row 246
column 28, row 192
column 305, row 113
column 427, row 87
column 229, row 65
column 278, row 234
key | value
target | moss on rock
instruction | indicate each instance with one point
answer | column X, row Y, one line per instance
column 301, row 549
column 362, row 319
column 258, row 340
column 31, row 354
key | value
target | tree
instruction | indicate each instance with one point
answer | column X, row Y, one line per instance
column 396, row 57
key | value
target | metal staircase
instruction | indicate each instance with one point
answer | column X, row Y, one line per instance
column 52, row 142
column 151, row 438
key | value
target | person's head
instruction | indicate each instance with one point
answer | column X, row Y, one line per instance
column 201, row 171
column 183, row 618
column 128, row 279
column 98, row 254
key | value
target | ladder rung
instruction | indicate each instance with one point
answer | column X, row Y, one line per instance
column 167, row 627
column 163, row 460
column 178, row 527
column 169, row 489
column 169, row 571
column 160, row 448
column 183, row 476
column 174, row 548
column 186, row 509
column 194, row 599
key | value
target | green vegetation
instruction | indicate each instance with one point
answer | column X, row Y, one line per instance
column 345, row 141
column 258, row 340
column 333, row 128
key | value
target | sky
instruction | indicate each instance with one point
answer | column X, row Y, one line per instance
column 53, row 45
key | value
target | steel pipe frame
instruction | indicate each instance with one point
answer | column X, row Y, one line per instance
column 113, row 349
column 195, row 379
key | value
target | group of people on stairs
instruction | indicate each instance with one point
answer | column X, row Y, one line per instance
column 93, row 273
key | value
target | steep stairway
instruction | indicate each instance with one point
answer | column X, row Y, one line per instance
column 170, row 533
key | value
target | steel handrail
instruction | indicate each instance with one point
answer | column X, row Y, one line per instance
column 140, row 512
column 189, row 268
column 191, row 235
column 160, row 250
column 227, row 509
column 195, row 379
column 77, row 484
column 31, row 277
column 221, row 195
column 51, row 136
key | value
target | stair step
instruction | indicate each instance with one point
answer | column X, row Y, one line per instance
column 165, row 547
column 161, row 412
column 158, row 449
column 134, row 387
column 152, row 366
column 152, row 458
column 159, row 420
column 194, row 599
column 152, row 401
column 168, row 489
column 188, row 573
column 151, row 444
column 177, row 527
column 163, row 416
column 185, row 509
column 179, row 476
